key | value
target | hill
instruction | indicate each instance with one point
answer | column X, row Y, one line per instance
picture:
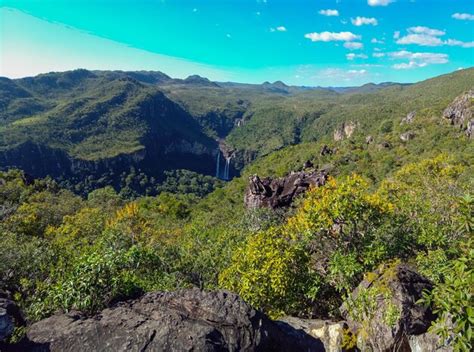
column 111, row 124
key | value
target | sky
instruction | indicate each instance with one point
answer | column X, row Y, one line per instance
column 300, row 42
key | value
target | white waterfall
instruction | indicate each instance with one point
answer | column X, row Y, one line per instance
column 223, row 174
column 226, row 169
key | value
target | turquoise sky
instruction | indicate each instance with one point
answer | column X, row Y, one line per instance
column 317, row 42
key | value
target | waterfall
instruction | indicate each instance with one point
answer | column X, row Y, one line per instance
column 226, row 170
column 223, row 174
column 218, row 162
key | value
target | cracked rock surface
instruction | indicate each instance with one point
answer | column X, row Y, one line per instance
column 186, row 320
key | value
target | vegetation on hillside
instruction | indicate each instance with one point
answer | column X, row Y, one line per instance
column 386, row 201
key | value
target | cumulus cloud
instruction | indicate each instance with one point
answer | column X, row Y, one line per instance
column 353, row 45
column 360, row 21
column 376, row 41
column 379, row 2
column 425, row 36
column 426, row 30
column 417, row 59
column 353, row 56
column 463, row 16
column 329, row 12
column 396, row 34
column 331, row 36
column 345, row 75
column 420, row 39
column 378, row 54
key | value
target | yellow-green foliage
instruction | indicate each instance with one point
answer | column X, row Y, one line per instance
column 269, row 271
column 279, row 269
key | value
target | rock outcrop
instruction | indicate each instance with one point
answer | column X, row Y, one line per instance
column 344, row 131
column 280, row 192
column 409, row 118
column 396, row 318
column 325, row 150
column 187, row 320
column 460, row 112
column 407, row 136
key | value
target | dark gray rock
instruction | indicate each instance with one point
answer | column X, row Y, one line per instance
column 406, row 287
column 187, row 320
column 325, row 150
column 280, row 192
column 459, row 112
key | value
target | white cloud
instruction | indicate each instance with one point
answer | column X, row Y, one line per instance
column 426, row 30
column 379, row 2
column 417, row 59
column 344, row 75
column 378, row 54
column 331, row 36
column 454, row 42
column 376, row 41
column 353, row 45
column 425, row 36
column 329, row 12
column 278, row 29
column 353, row 56
column 463, row 16
column 360, row 21
column 420, row 39
column 396, row 34
column 407, row 66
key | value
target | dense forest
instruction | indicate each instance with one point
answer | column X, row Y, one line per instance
column 400, row 190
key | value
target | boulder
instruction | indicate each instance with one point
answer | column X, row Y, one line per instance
column 369, row 139
column 186, row 320
column 460, row 112
column 409, row 118
column 280, row 192
column 384, row 145
column 325, row 150
column 407, row 136
column 395, row 318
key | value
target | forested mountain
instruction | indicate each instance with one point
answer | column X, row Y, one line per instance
column 108, row 191
column 103, row 124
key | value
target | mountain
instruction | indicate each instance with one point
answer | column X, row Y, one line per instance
column 107, row 124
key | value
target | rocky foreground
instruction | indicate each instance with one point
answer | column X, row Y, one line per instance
column 196, row 320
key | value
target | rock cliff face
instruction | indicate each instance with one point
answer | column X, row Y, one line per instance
column 344, row 131
column 188, row 320
column 280, row 192
column 459, row 112
column 40, row 160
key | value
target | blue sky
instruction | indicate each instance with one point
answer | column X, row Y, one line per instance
column 301, row 42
